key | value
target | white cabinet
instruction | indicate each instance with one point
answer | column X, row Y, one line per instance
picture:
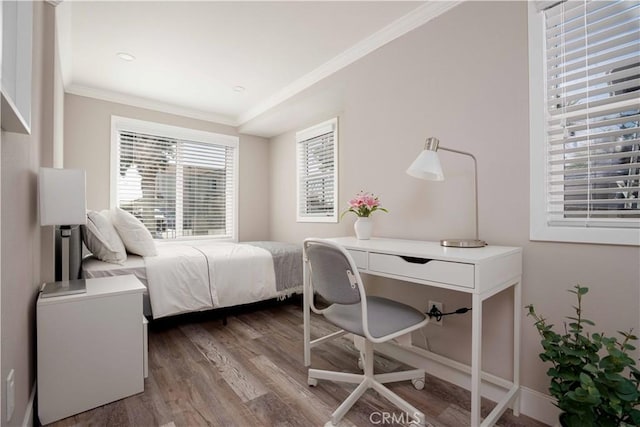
column 17, row 18
column 91, row 348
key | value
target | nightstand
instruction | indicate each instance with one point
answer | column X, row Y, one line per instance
column 91, row 347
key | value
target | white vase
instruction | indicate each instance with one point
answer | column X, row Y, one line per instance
column 363, row 227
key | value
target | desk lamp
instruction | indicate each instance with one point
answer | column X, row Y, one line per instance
column 427, row 166
column 62, row 203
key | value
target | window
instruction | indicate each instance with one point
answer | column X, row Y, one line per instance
column 584, row 59
column 180, row 183
column 317, row 155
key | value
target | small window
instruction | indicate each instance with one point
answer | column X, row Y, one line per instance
column 585, row 121
column 317, row 157
column 179, row 182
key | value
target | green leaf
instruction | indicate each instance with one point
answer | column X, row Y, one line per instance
column 626, row 388
column 567, row 375
column 628, row 335
column 590, row 368
column 585, row 379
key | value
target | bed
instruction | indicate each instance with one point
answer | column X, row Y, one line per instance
column 203, row 275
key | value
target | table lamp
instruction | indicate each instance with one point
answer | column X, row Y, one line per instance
column 62, row 203
column 427, row 166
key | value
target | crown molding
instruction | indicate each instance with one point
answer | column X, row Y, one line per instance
column 414, row 19
column 396, row 29
column 149, row 104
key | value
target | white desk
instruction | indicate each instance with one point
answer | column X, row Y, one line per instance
column 481, row 272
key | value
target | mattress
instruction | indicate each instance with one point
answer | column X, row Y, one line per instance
column 93, row 268
column 173, row 279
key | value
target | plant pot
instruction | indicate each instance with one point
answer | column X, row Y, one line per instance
column 363, row 228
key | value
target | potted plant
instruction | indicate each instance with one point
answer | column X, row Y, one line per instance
column 593, row 378
column 363, row 205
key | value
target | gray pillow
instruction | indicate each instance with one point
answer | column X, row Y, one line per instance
column 102, row 239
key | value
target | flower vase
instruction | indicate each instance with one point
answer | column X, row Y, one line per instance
column 363, row 227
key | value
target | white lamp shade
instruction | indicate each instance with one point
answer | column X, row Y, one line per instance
column 427, row 166
column 62, row 196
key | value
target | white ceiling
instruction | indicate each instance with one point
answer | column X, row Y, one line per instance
column 190, row 55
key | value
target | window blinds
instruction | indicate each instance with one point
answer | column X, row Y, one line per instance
column 593, row 89
column 177, row 188
column 317, row 173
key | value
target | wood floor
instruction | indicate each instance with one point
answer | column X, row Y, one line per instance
column 250, row 373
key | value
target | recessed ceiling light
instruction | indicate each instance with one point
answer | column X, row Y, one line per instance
column 125, row 56
column 239, row 89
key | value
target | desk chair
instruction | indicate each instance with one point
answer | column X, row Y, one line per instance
column 332, row 274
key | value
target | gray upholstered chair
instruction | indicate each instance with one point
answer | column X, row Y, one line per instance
column 333, row 275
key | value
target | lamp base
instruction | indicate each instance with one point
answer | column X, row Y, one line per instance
column 463, row 243
column 67, row 287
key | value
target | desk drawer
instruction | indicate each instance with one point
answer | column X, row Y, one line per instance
column 360, row 258
column 452, row 273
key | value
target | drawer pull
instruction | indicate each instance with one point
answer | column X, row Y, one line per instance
column 415, row 260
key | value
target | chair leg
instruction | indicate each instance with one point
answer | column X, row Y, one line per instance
column 370, row 380
column 344, row 377
column 350, row 401
column 414, row 374
column 399, row 402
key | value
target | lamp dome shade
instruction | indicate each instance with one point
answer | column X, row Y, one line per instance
column 427, row 166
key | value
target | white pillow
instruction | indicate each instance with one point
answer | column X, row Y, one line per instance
column 102, row 239
column 133, row 233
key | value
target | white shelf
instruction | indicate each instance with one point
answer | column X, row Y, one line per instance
column 17, row 27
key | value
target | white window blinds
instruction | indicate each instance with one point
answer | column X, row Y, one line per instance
column 177, row 187
column 317, row 173
column 593, row 112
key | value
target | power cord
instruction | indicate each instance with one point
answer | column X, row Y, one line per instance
column 438, row 315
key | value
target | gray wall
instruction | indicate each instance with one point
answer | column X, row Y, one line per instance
column 88, row 141
column 26, row 247
column 463, row 78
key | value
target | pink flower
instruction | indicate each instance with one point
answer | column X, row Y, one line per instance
column 364, row 204
column 370, row 201
column 354, row 203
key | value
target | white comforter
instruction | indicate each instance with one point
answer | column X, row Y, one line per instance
column 196, row 276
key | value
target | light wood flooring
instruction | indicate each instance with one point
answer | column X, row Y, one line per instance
column 250, row 373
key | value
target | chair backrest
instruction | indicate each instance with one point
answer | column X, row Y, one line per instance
column 332, row 272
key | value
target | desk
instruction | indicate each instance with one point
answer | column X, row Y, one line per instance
column 481, row 272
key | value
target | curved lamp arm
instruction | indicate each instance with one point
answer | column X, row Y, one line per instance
column 475, row 181
column 427, row 166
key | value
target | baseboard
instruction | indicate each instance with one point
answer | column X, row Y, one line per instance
column 27, row 421
column 538, row 406
column 533, row 404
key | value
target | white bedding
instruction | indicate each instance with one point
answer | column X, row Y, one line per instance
column 93, row 268
column 196, row 276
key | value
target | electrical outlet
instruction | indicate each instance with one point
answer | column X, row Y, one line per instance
column 11, row 394
column 439, row 306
